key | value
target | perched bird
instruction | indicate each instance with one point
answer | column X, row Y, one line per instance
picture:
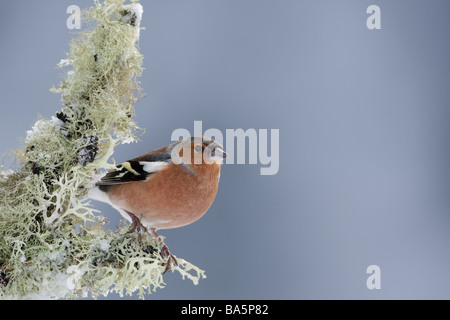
column 169, row 187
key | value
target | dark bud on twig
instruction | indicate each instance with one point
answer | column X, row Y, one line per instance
column 30, row 148
column 88, row 152
column 133, row 20
column 36, row 169
column 3, row 279
column 130, row 17
column 62, row 116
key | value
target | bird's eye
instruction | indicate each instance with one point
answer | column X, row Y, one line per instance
column 198, row 148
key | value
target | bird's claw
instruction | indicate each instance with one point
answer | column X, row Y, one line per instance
column 165, row 252
column 136, row 226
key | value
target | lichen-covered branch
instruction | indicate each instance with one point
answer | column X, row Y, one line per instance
column 52, row 243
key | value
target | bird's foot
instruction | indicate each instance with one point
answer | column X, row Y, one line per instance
column 171, row 260
column 165, row 252
column 136, row 226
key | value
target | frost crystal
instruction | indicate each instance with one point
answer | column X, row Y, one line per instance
column 102, row 244
column 41, row 127
column 5, row 173
column 64, row 63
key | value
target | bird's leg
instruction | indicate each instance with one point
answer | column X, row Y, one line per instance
column 165, row 252
column 136, row 225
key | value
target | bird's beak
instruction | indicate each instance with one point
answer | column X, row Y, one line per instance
column 218, row 153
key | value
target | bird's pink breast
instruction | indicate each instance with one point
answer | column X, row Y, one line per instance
column 170, row 198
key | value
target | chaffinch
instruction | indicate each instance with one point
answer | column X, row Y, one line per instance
column 169, row 187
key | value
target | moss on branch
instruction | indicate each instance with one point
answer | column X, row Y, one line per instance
column 52, row 241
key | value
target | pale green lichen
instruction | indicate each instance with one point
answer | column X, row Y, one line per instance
column 52, row 241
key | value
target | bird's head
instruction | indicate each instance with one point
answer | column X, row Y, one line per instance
column 197, row 151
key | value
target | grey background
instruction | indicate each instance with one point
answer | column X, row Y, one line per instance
column 363, row 118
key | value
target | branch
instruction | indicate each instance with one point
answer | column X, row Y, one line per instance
column 52, row 243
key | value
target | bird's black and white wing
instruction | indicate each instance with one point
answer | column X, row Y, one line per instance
column 137, row 169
